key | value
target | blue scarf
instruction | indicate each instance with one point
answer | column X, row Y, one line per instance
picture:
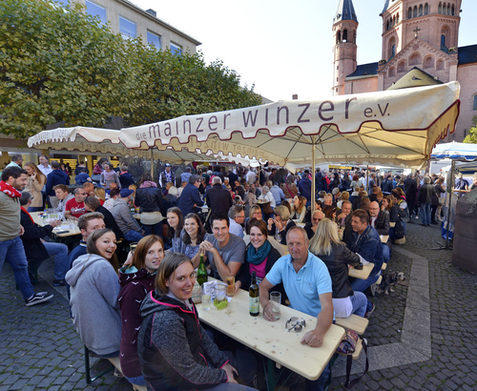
column 257, row 256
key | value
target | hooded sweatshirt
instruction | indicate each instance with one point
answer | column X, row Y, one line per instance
column 94, row 292
column 135, row 284
column 175, row 352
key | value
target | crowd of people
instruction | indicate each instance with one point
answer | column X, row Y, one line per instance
column 136, row 305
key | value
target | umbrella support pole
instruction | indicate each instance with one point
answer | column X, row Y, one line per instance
column 313, row 178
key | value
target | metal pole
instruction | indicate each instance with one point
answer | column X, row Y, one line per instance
column 451, row 187
column 152, row 165
column 313, row 179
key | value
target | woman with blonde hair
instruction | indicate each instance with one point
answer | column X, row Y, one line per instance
column 36, row 182
column 136, row 281
column 327, row 245
column 100, row 194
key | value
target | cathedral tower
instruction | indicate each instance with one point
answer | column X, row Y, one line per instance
column 345, row 25
column 434, row 22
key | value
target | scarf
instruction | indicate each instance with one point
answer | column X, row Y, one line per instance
column 9, row 190
column 28, row 214
column 257, row 256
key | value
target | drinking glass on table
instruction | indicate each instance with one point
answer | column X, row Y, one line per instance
column 230, row 285
column 276, row 300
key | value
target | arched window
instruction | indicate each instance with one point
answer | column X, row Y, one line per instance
column 440, row 8
column 338, row 36
column 453, row 10
column 414, row 12
column 415, row 59
column 397, row 19
column 387, row 25
column 401, row 66
column 440, row 65
column 394, row 21
column 409, row 13
column 426, row 9
column 420, row 10
column 474, row 106
column 429, row 62
column 448, row 9
column 354, row 36
column 392, row 48
column 443, row 41
column 391, row 72
column 345, row 35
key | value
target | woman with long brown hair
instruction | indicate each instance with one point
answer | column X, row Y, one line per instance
column 136, row 281
column 36, row 182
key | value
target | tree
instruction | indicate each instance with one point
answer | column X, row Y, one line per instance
column 60, row 64
column 471, row 138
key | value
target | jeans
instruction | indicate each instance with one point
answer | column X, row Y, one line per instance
column 13, row 252
column 359, row 302
column 321, row 382
column 155, row 229
column 139, row 380
column 386, row 252
column 133, row 236
column 425, row 211
column 230, row 387
column 60, row 252
column 359, row 285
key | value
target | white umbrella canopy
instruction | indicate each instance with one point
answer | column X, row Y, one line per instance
column 455, row 151
column 396, row 128
column 105, row 141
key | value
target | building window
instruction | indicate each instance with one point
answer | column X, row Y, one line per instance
column 127, row 28
column 409, row 13
column 426, row 9
column 401, row 66
column 96, row 10
column 448, row 9
column 176, row 49
column 338, row 37
column 429, row 62
column 474, row 107
column 443, row 41
column 420, row 10
column 415, row 59
column 440, row 65
column 440, row 8
column 414, row 12
column 154, row 40
column 397, row 19
column 453, row 10
column 345, row 35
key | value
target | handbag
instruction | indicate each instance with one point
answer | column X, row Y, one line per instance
column 347, row 347
column 151, row 218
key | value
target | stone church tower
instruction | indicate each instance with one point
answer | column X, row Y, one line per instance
column 420, row 34
column 345, row 25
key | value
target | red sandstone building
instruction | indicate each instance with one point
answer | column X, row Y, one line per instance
column 419, row 41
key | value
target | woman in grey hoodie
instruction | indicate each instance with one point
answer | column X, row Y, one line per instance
column 94, row 284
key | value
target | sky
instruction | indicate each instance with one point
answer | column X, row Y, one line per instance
column 282, row 47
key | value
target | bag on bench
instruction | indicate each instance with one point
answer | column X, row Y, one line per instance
column 347, row 347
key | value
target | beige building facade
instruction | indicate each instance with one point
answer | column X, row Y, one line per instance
column 419, row 34
column 129, row 20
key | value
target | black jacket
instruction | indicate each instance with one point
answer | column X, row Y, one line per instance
column 34, row 248
column 382, row 223
column 174, row 351
column 149, row 199
column 283, row 234
column 337, row 263
column 219, row 200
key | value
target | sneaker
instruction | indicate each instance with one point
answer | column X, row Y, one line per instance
column 59, row 282
column 38, row 298
column 370, row 309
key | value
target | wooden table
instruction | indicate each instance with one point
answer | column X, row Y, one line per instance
column 384, row 238
column 60, row 231
column 271, row 339
column 362, row 274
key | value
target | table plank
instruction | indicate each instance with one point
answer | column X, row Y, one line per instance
column 37, row 218
column 271, row 339
column 361, row 274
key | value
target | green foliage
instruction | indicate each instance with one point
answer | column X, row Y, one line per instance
column 63, row 65
column 471, row 138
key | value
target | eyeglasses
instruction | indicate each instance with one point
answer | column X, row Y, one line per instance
column 295, row 324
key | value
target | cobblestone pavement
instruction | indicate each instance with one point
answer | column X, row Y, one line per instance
column 41, row 350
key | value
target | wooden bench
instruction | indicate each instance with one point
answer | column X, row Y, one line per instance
column 385, row 265
column 353, row 322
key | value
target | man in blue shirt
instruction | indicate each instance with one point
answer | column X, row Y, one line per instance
column 190, row 200
column 307, row 284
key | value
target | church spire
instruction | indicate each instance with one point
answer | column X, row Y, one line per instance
column 345, row 11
